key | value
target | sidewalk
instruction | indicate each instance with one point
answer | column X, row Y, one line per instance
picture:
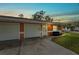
column 39, row 47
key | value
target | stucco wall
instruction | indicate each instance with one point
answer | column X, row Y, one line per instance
column 44, row 30
column 9, row 31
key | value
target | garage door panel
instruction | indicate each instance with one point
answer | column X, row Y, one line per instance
column 32, row 30
column 9, row 31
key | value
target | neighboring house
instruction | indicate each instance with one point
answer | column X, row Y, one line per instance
column 76, row 29
column 16, row 28
column 67, row 29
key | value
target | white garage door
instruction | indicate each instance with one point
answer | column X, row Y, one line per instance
column 32, row 30
column 9, row 31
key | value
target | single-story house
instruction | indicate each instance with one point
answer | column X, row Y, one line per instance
column 18, row 28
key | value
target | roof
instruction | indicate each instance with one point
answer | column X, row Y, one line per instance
column 20, row 20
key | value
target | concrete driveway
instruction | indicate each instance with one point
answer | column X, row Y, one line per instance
column 39, row 47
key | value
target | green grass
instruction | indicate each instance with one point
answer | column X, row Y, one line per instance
column 70, row 41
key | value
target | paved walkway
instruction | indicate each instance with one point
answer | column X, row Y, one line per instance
column 39, row 47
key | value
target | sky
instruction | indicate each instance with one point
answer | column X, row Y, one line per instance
column 66, row 11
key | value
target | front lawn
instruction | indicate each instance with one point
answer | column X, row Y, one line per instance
column 70, row 41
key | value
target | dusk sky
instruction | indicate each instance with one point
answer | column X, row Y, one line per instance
column 56, row 10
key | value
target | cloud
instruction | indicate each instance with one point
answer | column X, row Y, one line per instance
column 67, row 18
column 26, row 13
column 64, row 13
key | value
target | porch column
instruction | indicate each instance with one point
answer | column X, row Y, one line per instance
column 41, row 32
column 21, row 33
column 21, row 40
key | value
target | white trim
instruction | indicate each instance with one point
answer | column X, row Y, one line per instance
column 21, row 32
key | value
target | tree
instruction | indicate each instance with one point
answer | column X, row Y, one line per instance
column 48, row 18
column 39, row 15
column 21, row 15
